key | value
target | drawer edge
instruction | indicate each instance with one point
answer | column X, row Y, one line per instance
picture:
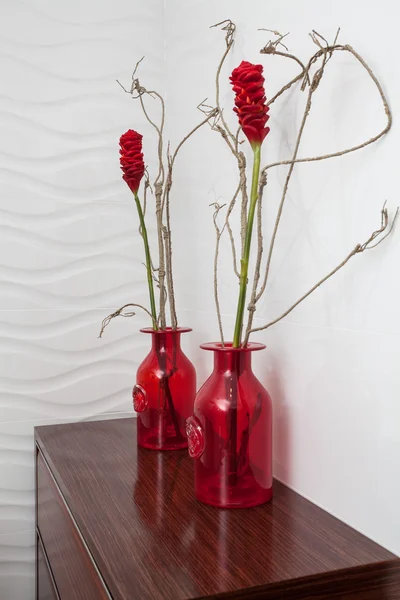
column 40, row 543
column 75, row 524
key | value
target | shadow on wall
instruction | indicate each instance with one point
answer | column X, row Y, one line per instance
column 282, row 447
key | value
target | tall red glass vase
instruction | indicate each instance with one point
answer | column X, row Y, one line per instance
column 164, row 393
column 230, row 434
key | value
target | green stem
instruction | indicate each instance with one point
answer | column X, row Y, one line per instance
column 244, row 263
column 148, row 262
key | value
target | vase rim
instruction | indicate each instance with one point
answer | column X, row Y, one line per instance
column 217, row 347
column 166, row 330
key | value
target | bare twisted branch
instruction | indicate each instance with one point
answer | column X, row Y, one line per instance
column 326, row 53
column 218, row 231
column 118, row 313
column 359, row 248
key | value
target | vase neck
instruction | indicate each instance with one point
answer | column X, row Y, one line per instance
column 235, row 361
column 166, row 341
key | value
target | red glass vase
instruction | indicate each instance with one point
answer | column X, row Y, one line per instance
column 164, row 392
column 230, row 434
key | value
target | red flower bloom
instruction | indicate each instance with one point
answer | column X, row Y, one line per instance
column 248, row 85
column 131, row 159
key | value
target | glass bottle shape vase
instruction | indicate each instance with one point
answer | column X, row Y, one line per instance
column 230, row 433
column 164, row 392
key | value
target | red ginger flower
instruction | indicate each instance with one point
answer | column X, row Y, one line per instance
column 131, row 159
column 248, row 84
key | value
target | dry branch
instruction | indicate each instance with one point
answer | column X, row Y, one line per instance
column 219, row 232
column 241, row 159
column 230, row 232
column 325, row 52
column 138, row 91
column 371, row 140
column 285, row 189
column 212, row 113
column 230, row 29
column 118, row 313
column 232, row 142
column 260, row 248
column 357, row 250
column 165, row 209
column 162, row 188
column 271, row 47
column 170, row 282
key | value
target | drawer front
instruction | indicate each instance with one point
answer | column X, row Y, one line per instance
column 45, row 587
column 73, row 569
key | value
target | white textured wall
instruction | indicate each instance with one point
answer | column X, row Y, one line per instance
column 68, row 250
column 332, row 366
column 69, row 253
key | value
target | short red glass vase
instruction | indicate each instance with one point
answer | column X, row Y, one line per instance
column 230, row 433
column 164, row 393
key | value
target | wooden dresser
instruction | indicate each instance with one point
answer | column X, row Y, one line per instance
column 114, row 521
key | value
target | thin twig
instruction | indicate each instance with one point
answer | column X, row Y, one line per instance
column 357, row 250
column 141, row 91
column 237, row 142
column 146, row 187
column 336, row 36
column 212, row 114
column 231, row 140
column 241, row 162
column 138, row 91
column 158, row 186
column 271, row 47
column 227, row 224
column 223, row 129
column 133, row 78
column 165, row 208
column 314, row 35
column 216, row 296
column 168, row 265
column 158, row 190
column 286, row 87
column 278, row 41
column 206, row 109
column 285, row 189
column 260, row 248
column 159, row 129
column 230, row 29
column 162, row 189
column 285, row 55
column 388, row 233
column 371, row 140
column 316, row 80
column 118, row 313
column 241, row 159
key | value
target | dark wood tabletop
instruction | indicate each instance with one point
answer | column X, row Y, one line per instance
column 150, row 539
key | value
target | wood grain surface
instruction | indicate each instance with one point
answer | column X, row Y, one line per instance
column 45, row 587
column 151, row 539
column 75, row 575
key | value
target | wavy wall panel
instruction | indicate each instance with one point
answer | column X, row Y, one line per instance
column 17, row 565
column 69, row 253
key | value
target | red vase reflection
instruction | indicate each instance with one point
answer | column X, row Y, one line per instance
column 159, row 487
column 164, row 392
column 230, row 434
